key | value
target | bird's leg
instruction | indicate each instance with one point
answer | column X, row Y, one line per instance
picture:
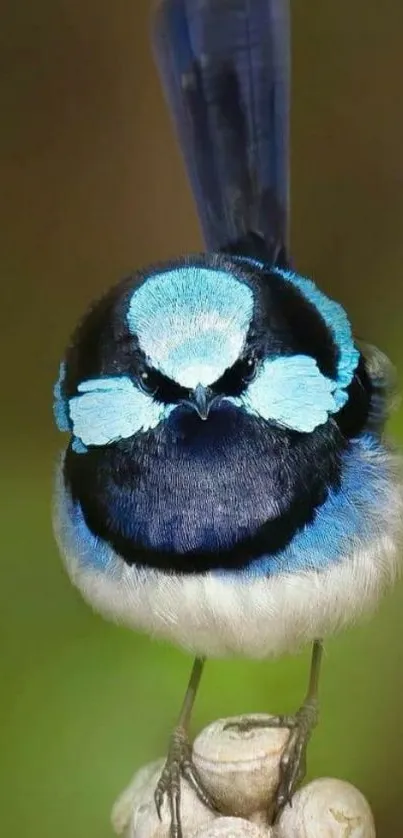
column 293, row 760
column 301, row 725
column 179, row 760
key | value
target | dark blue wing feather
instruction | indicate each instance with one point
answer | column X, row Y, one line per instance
column 225, row 69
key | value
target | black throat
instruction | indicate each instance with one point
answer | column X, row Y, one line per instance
column 193, row 496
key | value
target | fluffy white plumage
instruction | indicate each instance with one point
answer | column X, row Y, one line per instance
column 220, row 616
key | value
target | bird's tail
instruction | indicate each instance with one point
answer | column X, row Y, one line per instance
column 225, row 70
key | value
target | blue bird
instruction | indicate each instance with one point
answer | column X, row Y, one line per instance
column 227, row 484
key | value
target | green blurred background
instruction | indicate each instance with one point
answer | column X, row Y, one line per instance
column 91, row 186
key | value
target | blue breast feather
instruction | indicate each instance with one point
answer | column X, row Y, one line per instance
column 349, row 517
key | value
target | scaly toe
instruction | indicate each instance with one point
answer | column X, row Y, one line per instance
column 293, row 761
column 179, row 764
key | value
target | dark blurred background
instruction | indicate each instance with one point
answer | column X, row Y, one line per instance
column 91, row 186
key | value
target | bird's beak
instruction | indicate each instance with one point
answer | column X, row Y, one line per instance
column 202, row 400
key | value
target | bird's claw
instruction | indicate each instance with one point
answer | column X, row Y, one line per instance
column 293, row 760
column 179, row 764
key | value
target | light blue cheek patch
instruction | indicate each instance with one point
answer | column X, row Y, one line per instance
column 191, row 322
column 109, row 409
column 292, row 392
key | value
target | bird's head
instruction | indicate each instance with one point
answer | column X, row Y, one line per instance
column 198, row 334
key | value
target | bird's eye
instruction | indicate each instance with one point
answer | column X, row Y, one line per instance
column 146, row 384
column 250, row 367
column 154, row 384
column 236, row 378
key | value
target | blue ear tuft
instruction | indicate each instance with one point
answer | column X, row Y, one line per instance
column 109, row 409
column 78, row 446
column 337, row 321
column 60, row 403
column 292, row 392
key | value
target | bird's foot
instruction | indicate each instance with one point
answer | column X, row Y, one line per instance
column 293, row 759
column 179, row 764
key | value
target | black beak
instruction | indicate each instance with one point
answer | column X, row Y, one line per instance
column 202, row 400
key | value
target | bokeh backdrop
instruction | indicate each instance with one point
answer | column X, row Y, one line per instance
column 91, row 186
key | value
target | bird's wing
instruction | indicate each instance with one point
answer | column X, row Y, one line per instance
column 385, row 396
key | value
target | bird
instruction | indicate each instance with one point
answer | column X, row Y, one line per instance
column 227, row 483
